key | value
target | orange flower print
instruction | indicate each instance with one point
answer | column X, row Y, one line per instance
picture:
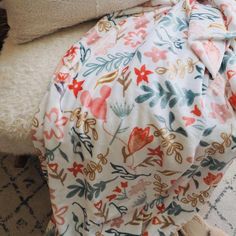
column 76, row 86
column 62, row 77
column 212, row 179
column 156, row 54
column 55, row 124
column 77, row 168
column 71, row 53
column 138, row 139
column 135, row 38
column 142, row 74
column 232, row 100
column 58, row 213
column 220, row 112
column 231, row 74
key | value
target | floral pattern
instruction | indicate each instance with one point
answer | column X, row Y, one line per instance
column 136, row 134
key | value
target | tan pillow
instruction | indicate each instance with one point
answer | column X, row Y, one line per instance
column 30, row 19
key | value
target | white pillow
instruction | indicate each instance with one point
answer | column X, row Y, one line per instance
column 29, row 19
column 25, row 72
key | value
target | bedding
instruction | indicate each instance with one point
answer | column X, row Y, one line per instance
column 25, row 72
column 32, row 19
column 138, row 125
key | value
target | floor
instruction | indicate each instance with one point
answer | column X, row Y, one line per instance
column 24, row 199
column 25, row 209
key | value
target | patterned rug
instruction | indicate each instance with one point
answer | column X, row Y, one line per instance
column 24, row 199
column 25, row 208
column 221, row 210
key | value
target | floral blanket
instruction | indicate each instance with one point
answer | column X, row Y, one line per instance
column 138, row 125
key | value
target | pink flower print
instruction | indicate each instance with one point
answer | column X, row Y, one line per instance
column 97, row 106
column 156, row 54
column 55, row 124
column 141, row 22
column 220, row 112
column 135, row 38
column 93, row 37
column 212, row 51
column 58, row 213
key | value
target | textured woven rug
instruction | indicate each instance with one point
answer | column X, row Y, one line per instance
column 25, row 208
column 24, row 198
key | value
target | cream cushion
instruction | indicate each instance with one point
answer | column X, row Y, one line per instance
column 25, row 72
column 29, row 19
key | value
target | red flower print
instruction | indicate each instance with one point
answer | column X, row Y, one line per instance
column 156, row 221
column 220, row 112
column 232, row 100
column 124, row 184
column 196, row 111
column 231, row 74
column 111, row 197
column 138, row 139
column 71, row 53
column 58, row 213
column 212, row 179
column 77, row 168
column 98, row 205
column 76, row 86
column 135, row 38
column 117, row 222
column 55, row 124
column 145, row 233
column 156, row 54
column 157, row 152
column 117, row 189
column 142, row 74
column 62, row 77
column 161, row 207
column 53, row 167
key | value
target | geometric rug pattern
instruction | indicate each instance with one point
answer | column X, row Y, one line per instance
column 24, row 198
column 221, row 209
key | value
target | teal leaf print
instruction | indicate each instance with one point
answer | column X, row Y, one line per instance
column 85, row 140
column 179, row 130
column 234, row 140
column 124, row 173
column 139, row 55
column 213, row 164
column 111, row 63
column 119, row 233
column 65, row 157
column 167, row 95
column 175, row 209
column 84, row 53
column 208, row 131
column 171, row 118
column 182, row 131
column 182, row 24
column 204, row 16
column 204, row 144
